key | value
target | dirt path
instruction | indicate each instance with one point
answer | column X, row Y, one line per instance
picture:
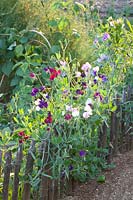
column 118, row 184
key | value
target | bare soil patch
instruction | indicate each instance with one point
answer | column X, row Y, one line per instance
column 118, row 184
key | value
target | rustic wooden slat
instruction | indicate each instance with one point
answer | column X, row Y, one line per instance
column 16, row 172
column 28, row 170
column 111, row 140
column 44, row 180
column 7, row 170
column 0, row 161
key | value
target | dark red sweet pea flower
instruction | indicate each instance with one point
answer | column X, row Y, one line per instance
column 21, row 141
column 32, row 75
column 68, row 116
column 21, row 134
column 26, row 137
column 54, row 73
column 49, row 119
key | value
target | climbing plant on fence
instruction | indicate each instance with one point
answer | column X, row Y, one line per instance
column 60, row 123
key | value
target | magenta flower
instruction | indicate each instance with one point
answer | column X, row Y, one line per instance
column 68, row 116
column 98, row 95
column 80, row 92
column 82, row 153
column 32, row 75
column 49, row 119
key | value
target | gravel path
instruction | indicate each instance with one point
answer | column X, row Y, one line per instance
column 118, row 184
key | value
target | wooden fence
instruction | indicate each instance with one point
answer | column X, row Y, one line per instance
column 120, row 139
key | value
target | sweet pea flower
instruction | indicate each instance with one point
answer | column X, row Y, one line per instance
column 86, row 115
column 49, row 119
column 84, row 85
column 78, row 74
column 106, row 36
column 32, row 75
column 80, row 92
column 67, row 116
column 69, row 108
column 89, row 102
column 96, row 79
column 85, row 67
column 82, row 153
column 34, row 91
column 95, row 70
column 103, row 77
column 75, row 112
column 98, row 95
column 102, row 58
column 88, row 109
column 63, row 63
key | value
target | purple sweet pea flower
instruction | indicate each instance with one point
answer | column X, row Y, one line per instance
column 102, row 58
column 34, row 91
column 42, row 88
column 83, row 75
column 70, row 168
column 106, row 36
column 98, row 95
column 84, row 85
column 80, row 92
column 43, row 104
column 82, row 153
column 103, row 77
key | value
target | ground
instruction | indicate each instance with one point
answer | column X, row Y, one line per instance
column 118, row 184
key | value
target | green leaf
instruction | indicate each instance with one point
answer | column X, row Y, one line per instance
column 101, row 179
column 7, row 68
column 114, row 109
column 129, row 25
column 19, row 50
column 47, row 176
column 52, row 23
column 15, row 81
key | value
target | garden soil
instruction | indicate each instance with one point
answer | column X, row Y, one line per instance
column 118, row 184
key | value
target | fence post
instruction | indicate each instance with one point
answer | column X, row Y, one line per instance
column 16, row 172
column 44, row 180
column 7, row 170
column 111, row 140
column 0, row 162
column 28, row 170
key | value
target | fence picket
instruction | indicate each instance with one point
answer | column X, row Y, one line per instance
column 28, row 170
column 7, row 170
column 16, row 172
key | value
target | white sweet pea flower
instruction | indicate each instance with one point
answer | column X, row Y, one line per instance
column 69, row 108
column 37, row 102
column 38, row 108
column 75, row 112
column 86, row 115
column 89, row 102
column 86, row 66
column 78, row 74
column 96, row 69
column 88, row 109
